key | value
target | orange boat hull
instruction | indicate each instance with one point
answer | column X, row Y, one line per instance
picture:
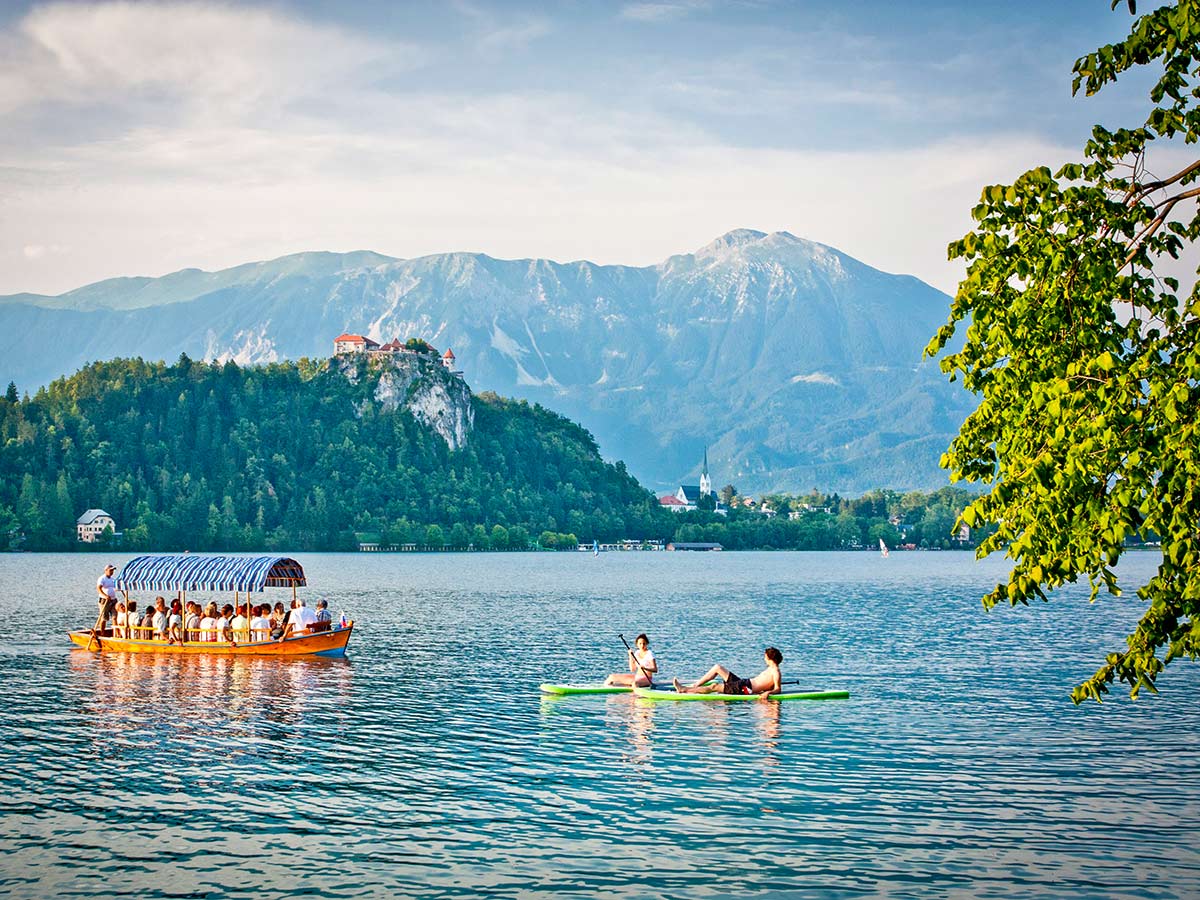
column 325, row 643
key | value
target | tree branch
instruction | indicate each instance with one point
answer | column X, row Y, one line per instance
column 1167, row 206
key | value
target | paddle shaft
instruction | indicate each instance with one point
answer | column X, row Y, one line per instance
column 649, row 677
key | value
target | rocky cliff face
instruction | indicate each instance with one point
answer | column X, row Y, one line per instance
column 422, row 385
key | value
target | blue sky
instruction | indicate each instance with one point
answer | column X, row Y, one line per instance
column 139, row 138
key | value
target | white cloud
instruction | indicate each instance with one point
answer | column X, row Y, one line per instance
column 517, row 35
column 226, row 134
column 231, row 59
column 661, row 10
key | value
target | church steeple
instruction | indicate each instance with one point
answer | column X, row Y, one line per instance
column 705, row 482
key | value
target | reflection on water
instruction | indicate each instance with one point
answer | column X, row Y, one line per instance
column 426, row 764
column 181, row 697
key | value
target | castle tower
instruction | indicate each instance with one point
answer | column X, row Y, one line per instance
column 705, row 482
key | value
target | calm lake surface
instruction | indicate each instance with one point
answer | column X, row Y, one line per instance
column 427, row 764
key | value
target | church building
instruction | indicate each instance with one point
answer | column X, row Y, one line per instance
column 687, row 497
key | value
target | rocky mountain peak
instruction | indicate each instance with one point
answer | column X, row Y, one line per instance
column 730, row 242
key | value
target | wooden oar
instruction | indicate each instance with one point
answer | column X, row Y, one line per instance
column 95, row 637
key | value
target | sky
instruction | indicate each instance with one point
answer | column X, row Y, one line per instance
column 142, row 138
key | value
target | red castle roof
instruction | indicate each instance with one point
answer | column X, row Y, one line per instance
column 352, row 338
column 449, row 354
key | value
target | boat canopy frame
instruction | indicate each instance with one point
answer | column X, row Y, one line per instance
column 188, row 572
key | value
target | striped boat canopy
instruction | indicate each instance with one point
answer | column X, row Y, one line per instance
column 210, row 573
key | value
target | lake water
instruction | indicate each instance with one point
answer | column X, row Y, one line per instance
column 426, row 763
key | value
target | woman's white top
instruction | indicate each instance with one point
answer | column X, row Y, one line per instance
column 645, row 660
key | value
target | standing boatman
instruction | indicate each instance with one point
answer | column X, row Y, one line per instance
column 106, row 596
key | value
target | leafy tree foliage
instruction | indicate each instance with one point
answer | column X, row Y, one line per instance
column 1085, row 356
column 420, row 345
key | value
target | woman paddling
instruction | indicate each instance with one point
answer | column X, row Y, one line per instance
column 642, row 666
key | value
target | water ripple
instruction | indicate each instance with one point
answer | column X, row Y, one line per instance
column 425, row 764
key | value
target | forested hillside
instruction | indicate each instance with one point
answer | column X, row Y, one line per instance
column 296, row 456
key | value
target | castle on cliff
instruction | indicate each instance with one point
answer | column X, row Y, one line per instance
column 346, row 344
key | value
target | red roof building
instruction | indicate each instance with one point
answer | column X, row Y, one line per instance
column 353, row 343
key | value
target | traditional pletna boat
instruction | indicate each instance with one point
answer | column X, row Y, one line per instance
column 240, row 574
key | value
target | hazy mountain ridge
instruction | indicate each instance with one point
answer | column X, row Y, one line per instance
column 797, row 364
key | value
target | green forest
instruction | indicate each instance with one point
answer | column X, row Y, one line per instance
column 296, row 456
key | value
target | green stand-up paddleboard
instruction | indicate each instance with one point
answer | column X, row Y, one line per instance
column 651, row 694
column 574, row 690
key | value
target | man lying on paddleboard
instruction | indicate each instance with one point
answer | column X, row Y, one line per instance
column 768, row 681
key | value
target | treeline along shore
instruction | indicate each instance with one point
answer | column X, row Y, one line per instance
column 315, row 454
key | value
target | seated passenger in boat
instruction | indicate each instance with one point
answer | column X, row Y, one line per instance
column 278, row 621
column 191, row 622
column 146, row 629
column 240, row 626
column 175, row 622
column 299, row 619
column 160, row 619
column 208, row 623
column 323, row 613
column 120, row 621
column 131, row 620
column 260, row 625
column 223, row 617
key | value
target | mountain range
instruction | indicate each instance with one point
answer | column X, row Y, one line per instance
column 796, row 365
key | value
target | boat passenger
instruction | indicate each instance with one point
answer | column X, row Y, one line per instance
column 175, row 622
column 160, row 619
column 642, row 666
column 192, row 622
column 240, row 626
column 131, row 620
column 299, row 619
column 146, row 632
column 120, row 621
column 223, row 632
column 278, row 619
column 768, row 681
column 260, row 625
column 208, row 624
column 323, row 613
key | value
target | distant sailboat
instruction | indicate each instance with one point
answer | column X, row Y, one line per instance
column 883, row 550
